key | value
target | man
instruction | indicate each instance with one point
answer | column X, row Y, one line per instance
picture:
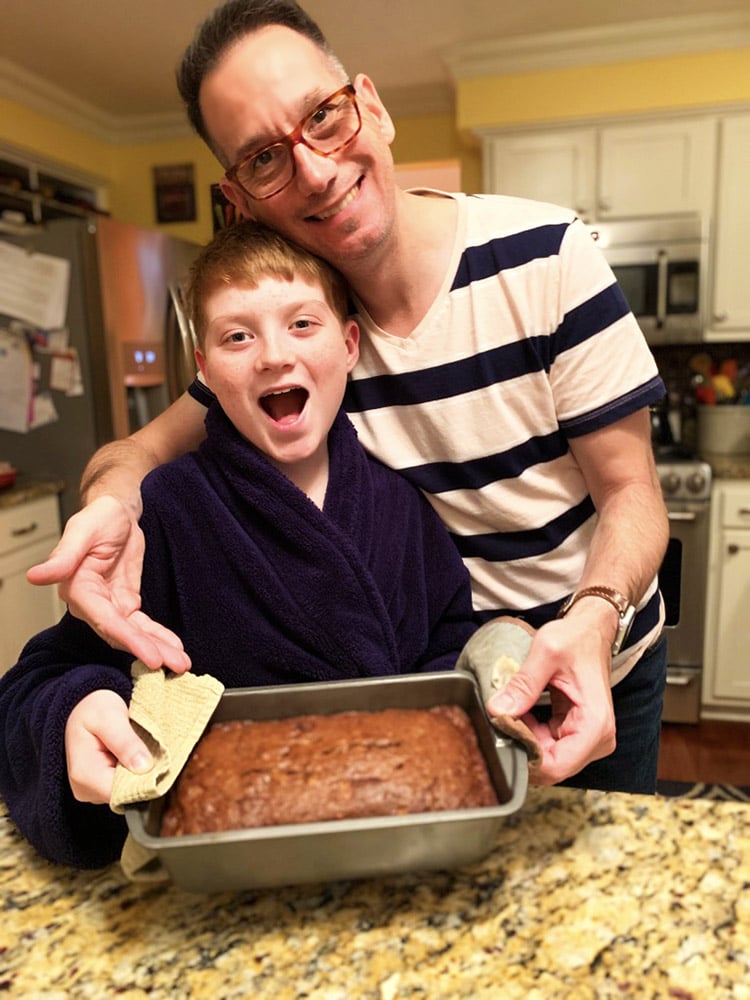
column 499, row 370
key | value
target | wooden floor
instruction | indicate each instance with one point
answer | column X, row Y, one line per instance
column 710, row 751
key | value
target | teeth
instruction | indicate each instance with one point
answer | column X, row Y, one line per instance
column 346, row 200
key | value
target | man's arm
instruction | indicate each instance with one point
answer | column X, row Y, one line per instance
column 572, row 655
column 98, row 561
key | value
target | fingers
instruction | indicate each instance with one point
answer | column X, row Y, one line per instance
column 98, row 735
column 582, row 726
column 169, row 649
column 520, row 693
column 58, row 566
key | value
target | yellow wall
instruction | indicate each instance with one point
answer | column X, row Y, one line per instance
column 435, row 137
column 37, row 134
column 649, row 85
column 674, row 83
column 132, row 197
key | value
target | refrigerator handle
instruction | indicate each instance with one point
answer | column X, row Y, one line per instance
column 179, row 344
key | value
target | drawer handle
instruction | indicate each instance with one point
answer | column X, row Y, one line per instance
column 19, row 532
column 744, row 511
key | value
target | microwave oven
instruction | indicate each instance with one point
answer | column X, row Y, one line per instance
column 661, row 265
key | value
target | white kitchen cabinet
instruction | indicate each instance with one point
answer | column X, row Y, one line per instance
column 28, row 532
column 555, row 165
column 726, row 681
column 611, row 171
column 730, row 319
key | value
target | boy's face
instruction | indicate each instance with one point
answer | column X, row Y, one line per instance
column 277, row 358
column 341, row 207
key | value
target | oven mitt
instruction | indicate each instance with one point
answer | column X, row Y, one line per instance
column 169, row 712
column 493, row 655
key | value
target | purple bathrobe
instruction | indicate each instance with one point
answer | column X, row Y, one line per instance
column 262, row 587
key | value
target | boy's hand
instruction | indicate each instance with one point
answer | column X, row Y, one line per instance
column 97, row 564
column 98, row 735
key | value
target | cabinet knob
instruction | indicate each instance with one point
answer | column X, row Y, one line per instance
column 720, row 317
column 732, row 550
column 604, row 205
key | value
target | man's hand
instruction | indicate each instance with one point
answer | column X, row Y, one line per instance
column 571, row 658
column 97, row 565
column 98, row 735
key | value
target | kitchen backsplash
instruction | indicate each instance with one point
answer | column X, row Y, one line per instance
column 673, row 361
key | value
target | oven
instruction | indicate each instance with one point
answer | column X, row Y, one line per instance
column 686, row 487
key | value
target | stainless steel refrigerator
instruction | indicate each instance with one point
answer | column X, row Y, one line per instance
column 126, row 328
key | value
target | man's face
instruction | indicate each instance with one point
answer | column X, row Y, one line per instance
column 341, row 206
column 277, row 358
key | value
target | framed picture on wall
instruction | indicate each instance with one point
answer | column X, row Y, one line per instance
column 174, row 192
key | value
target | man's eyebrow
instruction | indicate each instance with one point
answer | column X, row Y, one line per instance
column 310, row 102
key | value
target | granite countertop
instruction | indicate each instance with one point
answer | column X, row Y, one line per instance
column 26, row 489
column 585, row 895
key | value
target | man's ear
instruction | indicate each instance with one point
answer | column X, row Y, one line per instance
column 234, row 194
column 369, row 99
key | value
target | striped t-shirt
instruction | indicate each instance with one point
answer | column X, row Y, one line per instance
column 529, row 342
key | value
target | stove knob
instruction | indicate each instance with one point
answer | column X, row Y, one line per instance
column 670, row 482
column 696, row 482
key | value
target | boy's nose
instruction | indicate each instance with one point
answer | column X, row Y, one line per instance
column 314, row 171
column 275, row 352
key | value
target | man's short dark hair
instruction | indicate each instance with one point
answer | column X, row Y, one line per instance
column 221, row 29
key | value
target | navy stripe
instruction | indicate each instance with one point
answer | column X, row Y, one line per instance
column 506, row 546
column 506, row 252
column 440, row 477
column 646, row 619
column 591, row 317
column 454, row 378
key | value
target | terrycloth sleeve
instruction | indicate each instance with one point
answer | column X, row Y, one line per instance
column 56, row 669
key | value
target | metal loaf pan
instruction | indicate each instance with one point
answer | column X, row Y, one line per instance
column 353, row 848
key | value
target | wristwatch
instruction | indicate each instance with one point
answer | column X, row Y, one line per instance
column 619, row 602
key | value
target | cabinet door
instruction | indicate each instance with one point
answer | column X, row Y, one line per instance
column 731, row 639
column 731, row 299
column 24, row 609
column 555, row 166
column 656, row 168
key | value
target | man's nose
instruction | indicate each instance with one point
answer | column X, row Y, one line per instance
column 314, row 170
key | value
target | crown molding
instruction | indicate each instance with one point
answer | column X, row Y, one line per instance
column 595, row 46
column 32, row 91
column 39, row 95
column 422, row 99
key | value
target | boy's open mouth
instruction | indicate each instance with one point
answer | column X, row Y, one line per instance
column 284, row 405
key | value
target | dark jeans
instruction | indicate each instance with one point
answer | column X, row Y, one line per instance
column 638, row 700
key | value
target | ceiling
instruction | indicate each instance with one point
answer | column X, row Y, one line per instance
column 115, row 59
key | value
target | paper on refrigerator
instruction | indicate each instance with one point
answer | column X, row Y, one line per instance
column 33, row 286
column 16, row 382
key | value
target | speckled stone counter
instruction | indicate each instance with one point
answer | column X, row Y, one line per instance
column 586, row 895
column 25, row 489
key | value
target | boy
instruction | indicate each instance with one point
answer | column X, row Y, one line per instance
column 278, row 552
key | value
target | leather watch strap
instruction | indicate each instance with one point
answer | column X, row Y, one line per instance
column 619, row 602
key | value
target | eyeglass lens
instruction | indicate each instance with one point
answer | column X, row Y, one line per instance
column 328, row 129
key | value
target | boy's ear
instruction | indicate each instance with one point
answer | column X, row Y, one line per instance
column 351, row 339
column 200, row 360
